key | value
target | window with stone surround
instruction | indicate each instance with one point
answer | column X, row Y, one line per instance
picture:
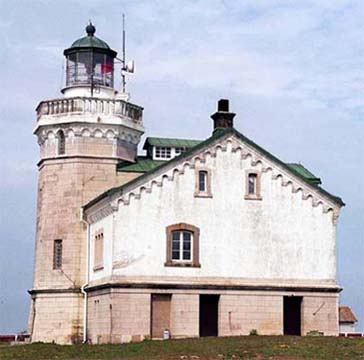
column 182, row 245
column 252, row 185
column 203, row 183
column 61, row 143
column 57, row 254
column 99, row 251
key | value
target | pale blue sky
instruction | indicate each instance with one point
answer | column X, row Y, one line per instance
column 293, row 70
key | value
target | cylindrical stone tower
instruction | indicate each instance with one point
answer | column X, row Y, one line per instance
column 82, row 136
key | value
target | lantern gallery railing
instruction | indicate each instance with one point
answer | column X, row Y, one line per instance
column 83, row 105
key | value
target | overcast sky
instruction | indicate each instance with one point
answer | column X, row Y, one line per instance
column 293, row 71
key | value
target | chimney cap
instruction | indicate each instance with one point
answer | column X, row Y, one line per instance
column 223, row 105
column 223, row 118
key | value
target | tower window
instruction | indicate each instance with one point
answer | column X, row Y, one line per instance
column 61, row 143
column 182, row 245
column 252, row 189
column 57, row 254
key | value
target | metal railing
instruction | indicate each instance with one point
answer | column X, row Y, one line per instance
column 85, row 105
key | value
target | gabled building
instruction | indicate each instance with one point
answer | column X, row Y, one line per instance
column 194, row 238
column 347, row 320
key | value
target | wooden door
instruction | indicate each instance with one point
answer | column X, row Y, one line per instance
column 161, row 313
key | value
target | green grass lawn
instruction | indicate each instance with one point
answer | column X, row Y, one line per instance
column 223, row 348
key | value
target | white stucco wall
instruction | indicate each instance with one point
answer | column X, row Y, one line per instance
column 347, row 328
column 281, row 236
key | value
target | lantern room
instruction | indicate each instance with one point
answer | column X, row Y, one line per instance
column 90, row 62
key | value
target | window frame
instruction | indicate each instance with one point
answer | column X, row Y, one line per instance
column 257, row 194
column 98, row 250
column 207, row 192
column 194, row 261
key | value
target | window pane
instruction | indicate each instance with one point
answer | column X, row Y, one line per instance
column 175, row 245
column 186, row 255
column 187, row 245
column 252, row 179
column 176, row 235
column 202, row 177
column 175, row 255
column 186, row 236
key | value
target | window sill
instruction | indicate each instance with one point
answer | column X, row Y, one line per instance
column 98, row 267
column 181, row 264
column 252, row 197
column 203, row 195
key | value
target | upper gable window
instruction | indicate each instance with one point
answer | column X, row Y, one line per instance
column 163, row 152
column 203, row 183
column 182, row 245
column 252, row 188
column 252, row 184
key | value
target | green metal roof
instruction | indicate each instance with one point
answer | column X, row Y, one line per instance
column 305, row 173
column 170, row 142
column 90, row 42
column 143, row 164
column 216, row 135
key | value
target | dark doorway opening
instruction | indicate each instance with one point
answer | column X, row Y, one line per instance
column 161, row 311
column 209, row 309
column 292, row 315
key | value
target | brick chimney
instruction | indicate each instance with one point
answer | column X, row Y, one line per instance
column 223, row 118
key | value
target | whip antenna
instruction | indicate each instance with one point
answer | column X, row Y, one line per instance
column 126, row 67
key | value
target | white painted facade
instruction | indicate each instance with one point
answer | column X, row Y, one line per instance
column 347, row 328
column 288, row 236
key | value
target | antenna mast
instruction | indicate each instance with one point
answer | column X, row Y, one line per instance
column 124, row 57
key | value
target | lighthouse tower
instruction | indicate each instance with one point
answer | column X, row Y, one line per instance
column 82, row 135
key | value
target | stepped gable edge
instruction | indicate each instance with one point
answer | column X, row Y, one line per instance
column 216, row 136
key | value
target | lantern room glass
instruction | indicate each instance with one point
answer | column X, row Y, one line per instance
column 89, row 68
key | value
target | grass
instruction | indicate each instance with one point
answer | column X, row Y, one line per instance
column 222, row 348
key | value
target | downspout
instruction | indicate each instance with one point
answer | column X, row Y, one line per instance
column 87, row 277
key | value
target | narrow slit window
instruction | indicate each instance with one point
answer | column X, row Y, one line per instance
column 202, row 181
column 252, row 184
column 61, row 143
column 99, row 251
column 57, row 254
